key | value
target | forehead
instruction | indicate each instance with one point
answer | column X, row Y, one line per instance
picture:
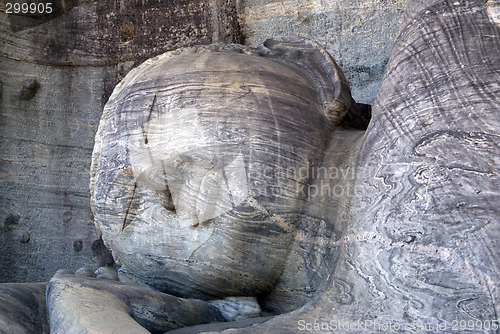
column 204, row 99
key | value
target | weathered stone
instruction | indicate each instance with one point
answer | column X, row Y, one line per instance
column 317, row 245
column 86, row 271
column 83, row 49
column 22, row 309
column 11, row 221
column 359, row 34
column 494, row 11
column 77, row 54
column 109, row 33
column 416, row 243
column 421, row 239
column 206, row 180
column 107, row 273
column 67, row 216
column 29, row 89
column 238, row 308
column 102, row 255
column 22, row 235
column 78, row 245
column 82, row 304
column 44, row 157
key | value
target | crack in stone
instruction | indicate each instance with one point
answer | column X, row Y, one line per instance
column 125, row 224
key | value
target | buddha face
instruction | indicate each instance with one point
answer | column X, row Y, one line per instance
column 194, row 175
column 195, row 185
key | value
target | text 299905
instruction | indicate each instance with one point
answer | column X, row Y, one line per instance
column 28, row 8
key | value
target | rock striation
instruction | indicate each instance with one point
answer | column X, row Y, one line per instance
column 202, row 159
column 57, row 71
column 419, row 251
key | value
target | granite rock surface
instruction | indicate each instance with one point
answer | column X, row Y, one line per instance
column 420, row 244
column 56, row 73
column 201, row 165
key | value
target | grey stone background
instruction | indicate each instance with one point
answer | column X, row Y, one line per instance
column 57, row 71
column 359, row 34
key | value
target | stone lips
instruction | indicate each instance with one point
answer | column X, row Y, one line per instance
column 183, row 186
